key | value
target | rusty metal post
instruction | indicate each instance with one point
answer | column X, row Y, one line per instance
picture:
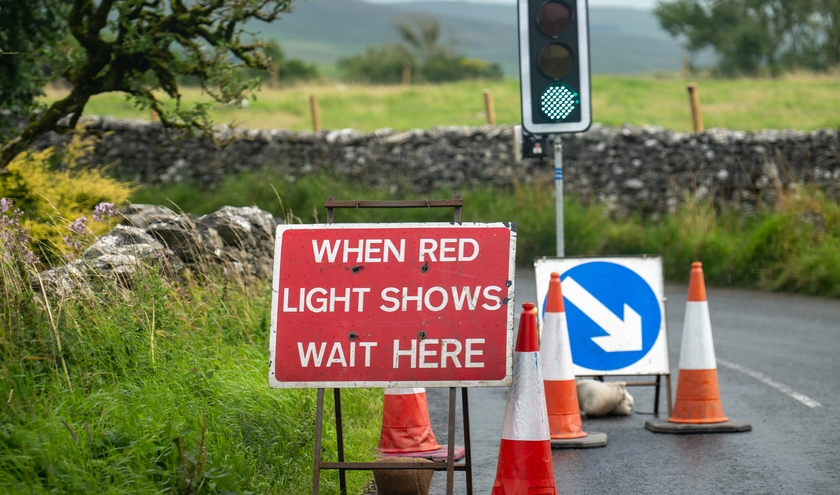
column 313, row 108
column 316, row 460
column 488, row 107
column 696, row 115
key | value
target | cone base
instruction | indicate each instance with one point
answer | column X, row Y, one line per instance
column 590, row 441
column 439, row 455
column 665, row 426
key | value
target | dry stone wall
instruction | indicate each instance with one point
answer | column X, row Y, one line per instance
column 648, row 170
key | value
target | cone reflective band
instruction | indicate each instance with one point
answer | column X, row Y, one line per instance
column 525, row 465
column 405, row 422
column 698, row 395
column 556, row 361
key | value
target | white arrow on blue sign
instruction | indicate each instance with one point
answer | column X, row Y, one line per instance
column 615, row 313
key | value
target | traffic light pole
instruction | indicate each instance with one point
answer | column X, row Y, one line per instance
column 558, row 194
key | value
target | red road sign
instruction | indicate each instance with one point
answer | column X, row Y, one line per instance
column 375, row 305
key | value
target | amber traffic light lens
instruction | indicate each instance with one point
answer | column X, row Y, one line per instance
column 554, row 18
column 556, row 60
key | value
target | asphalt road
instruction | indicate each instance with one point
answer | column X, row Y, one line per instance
column 779, row 369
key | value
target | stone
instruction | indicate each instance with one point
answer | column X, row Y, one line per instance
column 403, row 482
column 419, row 161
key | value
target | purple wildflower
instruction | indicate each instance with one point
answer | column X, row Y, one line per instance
column 69, row 241
column 78, row 227
column 102, row 210
column 15, row 239
column 29, row 258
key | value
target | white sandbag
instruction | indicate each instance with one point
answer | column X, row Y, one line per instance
column 597, row 398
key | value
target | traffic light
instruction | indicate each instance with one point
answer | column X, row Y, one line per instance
column 554, row 65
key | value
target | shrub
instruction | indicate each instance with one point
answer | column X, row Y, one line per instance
column 378, row 64
column 455, row 68
column 59, row 196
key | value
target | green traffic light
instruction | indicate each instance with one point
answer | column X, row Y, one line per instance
column 558, row 101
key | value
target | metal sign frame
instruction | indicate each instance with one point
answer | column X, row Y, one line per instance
column 361, row 325
column 342, row 466
column 662, row 340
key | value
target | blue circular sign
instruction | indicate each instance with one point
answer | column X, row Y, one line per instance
column 613, row 315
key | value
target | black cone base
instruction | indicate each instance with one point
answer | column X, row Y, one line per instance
column 590, row 441
column 664, row 426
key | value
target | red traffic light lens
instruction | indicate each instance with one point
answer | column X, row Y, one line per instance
column 556, row 60
column 554, row 18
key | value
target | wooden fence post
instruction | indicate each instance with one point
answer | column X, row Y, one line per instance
column 275, row 75
column 406, row 74
column 313, row 108
column 696, row 114
column 488, row 107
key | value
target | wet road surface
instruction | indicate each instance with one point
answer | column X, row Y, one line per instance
column 779, row 370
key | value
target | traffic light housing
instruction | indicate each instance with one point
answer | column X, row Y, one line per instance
column 554, row 65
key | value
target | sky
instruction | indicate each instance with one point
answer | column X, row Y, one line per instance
column 636, row 4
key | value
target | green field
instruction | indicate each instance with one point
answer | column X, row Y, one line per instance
column 803, row 102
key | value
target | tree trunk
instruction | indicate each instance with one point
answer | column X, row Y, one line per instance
column 47, row 122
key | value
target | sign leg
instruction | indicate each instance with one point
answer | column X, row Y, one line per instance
column 339, row 435
column 450, row 457
column 467, row 446
column 656, row 395
column 319, row 423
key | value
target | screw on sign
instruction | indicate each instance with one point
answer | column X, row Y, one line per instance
column 359, row 305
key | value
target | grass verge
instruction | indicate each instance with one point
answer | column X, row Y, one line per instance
column 157, row 389
column 793, row 246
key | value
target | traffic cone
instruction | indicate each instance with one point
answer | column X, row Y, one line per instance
column 406, row 429
column 697, row 408
column 561, row 398
column 525, row 465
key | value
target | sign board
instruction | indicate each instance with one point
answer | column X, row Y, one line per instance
column 615, row 309
column 392, row 305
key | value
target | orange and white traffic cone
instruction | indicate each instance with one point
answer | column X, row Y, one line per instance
column 525, row 465
column 561, row 398
column 406, row 428
column 698, row 408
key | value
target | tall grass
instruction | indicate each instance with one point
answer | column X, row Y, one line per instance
column 799, row 101
column 159, row 388
column 791, row 246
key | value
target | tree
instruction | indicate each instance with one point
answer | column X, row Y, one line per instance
column 31, row 35
column 752, row 35
column 423, row 38
column 287, row 69
column 139, row 47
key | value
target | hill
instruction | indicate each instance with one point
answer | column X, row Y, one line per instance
column 623, row 40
